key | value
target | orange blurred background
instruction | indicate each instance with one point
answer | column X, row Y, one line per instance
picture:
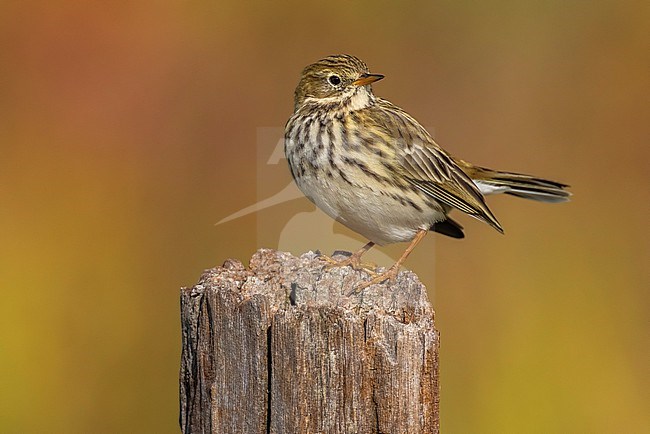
column 127, row 129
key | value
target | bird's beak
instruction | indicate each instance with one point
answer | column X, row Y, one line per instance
column 367, row 79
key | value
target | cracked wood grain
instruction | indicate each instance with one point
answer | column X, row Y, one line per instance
column 277, row 347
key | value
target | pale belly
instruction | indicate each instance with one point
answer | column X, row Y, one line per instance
column 378, row 217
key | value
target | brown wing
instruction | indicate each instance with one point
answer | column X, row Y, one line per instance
column 427, row 166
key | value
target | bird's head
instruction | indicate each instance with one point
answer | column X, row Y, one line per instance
column 335, row 79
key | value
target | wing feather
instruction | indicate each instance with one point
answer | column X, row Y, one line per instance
column 427, row 166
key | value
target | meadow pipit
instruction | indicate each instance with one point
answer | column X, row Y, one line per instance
column 371, row 166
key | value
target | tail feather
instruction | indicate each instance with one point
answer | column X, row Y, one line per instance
column 528, row 187
column 517, row 184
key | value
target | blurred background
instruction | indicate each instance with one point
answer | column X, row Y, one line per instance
column 127, row 129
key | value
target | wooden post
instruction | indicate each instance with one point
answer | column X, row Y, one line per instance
column 279, row 348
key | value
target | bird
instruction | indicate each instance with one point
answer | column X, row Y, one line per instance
column 370, row 165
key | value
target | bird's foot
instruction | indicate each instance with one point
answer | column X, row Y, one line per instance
column 353, row 261
column 330, row 261
column 390, row 274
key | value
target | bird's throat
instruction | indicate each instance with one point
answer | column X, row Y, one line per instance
column 360, row 99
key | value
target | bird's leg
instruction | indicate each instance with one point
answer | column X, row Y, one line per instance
column 392, row 272
column 353, row 260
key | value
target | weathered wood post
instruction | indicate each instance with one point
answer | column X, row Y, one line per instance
column 279, row 348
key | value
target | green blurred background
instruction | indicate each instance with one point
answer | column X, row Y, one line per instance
column 127, row 129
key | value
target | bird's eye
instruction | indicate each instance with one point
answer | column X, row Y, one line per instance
column 334, row 80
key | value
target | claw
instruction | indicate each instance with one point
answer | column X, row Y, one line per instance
column 353, row 261
column 390, row 274
column 331, row 262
